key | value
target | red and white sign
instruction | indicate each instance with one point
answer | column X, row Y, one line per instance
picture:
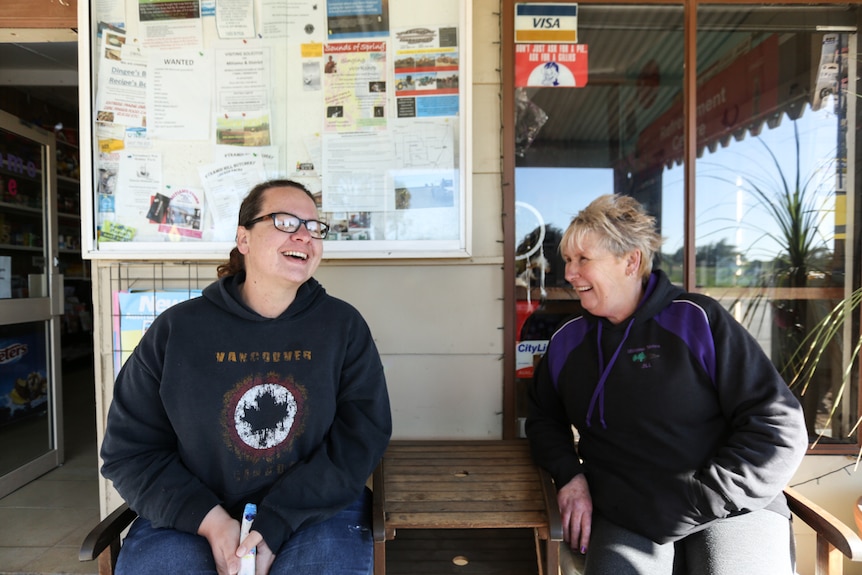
column 551, row 65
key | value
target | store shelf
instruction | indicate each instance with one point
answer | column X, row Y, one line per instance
column 22, row 248
column 20, row 208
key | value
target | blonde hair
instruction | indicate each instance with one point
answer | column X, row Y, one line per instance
column 620, row 225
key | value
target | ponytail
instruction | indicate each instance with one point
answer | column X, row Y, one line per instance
column 234, row 264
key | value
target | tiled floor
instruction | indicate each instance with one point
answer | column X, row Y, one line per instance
column 43, row 523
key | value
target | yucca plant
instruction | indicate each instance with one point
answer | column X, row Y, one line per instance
column 809, row 354
column 797, row 208
column 798, row 213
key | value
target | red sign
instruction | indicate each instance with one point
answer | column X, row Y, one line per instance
column 551, row 65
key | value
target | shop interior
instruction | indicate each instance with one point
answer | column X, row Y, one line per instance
column 42, row 522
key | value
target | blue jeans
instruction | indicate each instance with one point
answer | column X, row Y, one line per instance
column 342, row 544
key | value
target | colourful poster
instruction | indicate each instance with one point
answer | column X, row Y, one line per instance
column 354, row 85
column 551, row 65
column 427, row 63
column 134, row 312
column 23, row 374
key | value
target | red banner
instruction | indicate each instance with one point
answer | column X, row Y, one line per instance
column 551, row 65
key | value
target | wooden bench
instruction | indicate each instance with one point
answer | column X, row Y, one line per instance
column 416, row 547
column 443, row 487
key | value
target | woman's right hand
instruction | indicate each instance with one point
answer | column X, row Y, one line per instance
column 576, row 508
column 222, row 532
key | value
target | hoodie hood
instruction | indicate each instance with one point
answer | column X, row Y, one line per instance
column 658, row 293
column 225, row 294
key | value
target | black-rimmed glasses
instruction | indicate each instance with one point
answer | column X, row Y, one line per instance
column 289, row 223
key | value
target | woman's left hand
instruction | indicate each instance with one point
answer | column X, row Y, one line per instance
column 576, row 508
column 265, row 557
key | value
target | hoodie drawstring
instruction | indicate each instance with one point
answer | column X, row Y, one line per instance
column 599, row 393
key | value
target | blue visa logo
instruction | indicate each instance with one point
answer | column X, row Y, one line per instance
column 546, row 23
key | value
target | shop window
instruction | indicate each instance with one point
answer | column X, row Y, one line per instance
column 776, row 116
column 774, row 129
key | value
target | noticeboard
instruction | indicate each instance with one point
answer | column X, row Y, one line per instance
column 193, row 102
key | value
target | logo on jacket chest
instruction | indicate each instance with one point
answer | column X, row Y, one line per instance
column 262, row 415
column 644, row 356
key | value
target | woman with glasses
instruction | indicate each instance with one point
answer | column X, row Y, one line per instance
column 265, row 390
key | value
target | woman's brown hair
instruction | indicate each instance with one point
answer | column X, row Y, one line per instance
column 248, row 210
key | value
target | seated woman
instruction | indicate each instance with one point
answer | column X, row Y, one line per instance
column 688, row 434
column 265, row 390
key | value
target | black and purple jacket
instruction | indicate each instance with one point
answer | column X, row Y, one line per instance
column 682, row 418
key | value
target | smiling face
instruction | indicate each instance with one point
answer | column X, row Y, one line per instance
column 607, row 285
column 275, row 259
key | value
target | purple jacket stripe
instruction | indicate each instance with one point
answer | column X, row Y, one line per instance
column 689, row 322
column 567, row 338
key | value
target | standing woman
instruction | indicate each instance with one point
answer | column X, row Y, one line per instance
column 265, row 390
column 688, row 434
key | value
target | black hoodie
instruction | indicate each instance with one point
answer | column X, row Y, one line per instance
column 690, row 423
column 219, row 405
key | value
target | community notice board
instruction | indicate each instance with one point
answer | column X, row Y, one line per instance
column 193, row 102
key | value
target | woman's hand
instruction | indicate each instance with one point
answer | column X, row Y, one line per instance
column 576, row 508
column 222, row 533
column 265, row 557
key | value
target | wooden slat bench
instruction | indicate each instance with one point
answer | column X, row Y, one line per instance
column 479, row 501
column 465, row 485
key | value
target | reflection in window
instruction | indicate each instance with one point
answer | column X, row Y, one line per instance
column 775, row 229
column 771, row 182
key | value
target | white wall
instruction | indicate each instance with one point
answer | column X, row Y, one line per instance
column 826, row 480
column 437, row 331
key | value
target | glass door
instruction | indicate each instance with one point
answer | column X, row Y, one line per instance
column 578, row 139
column 31, row 302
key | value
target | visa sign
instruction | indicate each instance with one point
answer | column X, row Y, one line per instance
column 546, row 23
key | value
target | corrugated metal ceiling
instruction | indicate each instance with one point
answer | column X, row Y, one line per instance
column 599, row 124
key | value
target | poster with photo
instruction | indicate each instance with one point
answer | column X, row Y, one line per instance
column 426, row 70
